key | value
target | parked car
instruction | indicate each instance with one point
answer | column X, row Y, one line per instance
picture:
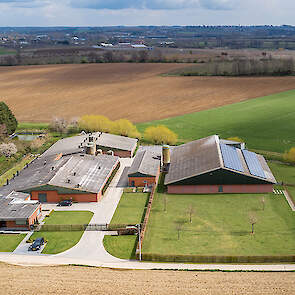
column 65, row 203
column 37, row 244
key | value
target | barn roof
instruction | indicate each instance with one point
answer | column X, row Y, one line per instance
column 91, row 173
column 146, row 163
column 209, row 154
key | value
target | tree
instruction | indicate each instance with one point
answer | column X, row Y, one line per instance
column 253, row 220
column 59, row 125
column 290, row 155
column 125, row 128
column 160, row 135
column 92, row 123
column 178, row 227
column 190, row 211
column 7, row 118
column 8, row 149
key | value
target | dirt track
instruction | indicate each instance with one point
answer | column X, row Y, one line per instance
column 85, row 280
column 133, row 91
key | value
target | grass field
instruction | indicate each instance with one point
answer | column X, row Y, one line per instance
column 282, row 172
column 4, row 51
column 8, row 242
column 32, row 126
column 265, row 123
column 220, row 226
column 133, row 91
column 129, row 211
column 61, row 241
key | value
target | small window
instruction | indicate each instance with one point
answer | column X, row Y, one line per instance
column 20, row 222
column 220, row 189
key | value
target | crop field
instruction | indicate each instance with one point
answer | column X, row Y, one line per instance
column 86, row 280
column 138, row 92
column 220, row 225
column 265, row 123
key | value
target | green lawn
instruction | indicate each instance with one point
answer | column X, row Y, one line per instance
column 220, row 225
column 8, row 242
column 32, row 126
column 283, row 172
column 61, row 241
column 130, row 210
column 265, row 123
column 291, row 190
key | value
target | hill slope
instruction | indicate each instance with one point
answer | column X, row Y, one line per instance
column 265, row 123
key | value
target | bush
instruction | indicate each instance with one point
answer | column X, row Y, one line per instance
column 92, row 123
column 125, row 128
column 8, row 149
column 290, row 155
column 160, row 135
column 235, row 138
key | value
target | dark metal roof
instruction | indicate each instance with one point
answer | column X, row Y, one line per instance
column 14, row 208
column 204, row 155
column 146, row 163
column 194, row 158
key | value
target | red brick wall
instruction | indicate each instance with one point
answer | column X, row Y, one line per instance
column 121, row 154
column 11, row 224
column 35, row 216
column 55, row 197
column 214, row 189
column 139, row 181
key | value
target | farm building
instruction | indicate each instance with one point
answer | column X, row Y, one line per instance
column 79, row 177
column 18, row 212
column 209, row 166
column 95, row 143
column 145, row 169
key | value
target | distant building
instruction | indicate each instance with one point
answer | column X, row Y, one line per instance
column 18, row 212
column 210, row 166
column 145, row 169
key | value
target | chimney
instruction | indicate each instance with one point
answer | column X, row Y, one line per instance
column 165, row 158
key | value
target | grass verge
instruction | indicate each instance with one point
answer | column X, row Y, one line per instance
column 130, row 210
column 221, row 225
column 61, row 241
column 8, row 242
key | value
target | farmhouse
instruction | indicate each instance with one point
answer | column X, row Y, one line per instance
column 80, row 177
column 18, row 212
column 210, row 166
column 145, row 169
column 98, row 142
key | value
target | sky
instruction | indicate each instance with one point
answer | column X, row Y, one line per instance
column 145, row 12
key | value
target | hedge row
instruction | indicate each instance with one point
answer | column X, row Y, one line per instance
column 217, row 259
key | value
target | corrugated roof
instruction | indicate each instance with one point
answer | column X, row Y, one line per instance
column 194, row 158
column 12, row 209
column 146, row 163
column 204, row 155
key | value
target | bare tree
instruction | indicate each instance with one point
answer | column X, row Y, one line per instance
column 190, row 211
column 59, row 125
column 178, row 227
column 8, row 149
column 253, row 220
column 165, row 200
column 263, row 203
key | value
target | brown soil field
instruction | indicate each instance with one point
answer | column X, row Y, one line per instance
column 134, row 91
column 84, row 280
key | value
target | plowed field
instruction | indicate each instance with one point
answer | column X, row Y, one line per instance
column 134, row 91
column 82, row 280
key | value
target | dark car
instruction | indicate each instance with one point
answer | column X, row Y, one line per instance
column 65, row 203
column 37, row 244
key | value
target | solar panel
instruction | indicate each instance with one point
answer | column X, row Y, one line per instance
column 231, row 158
column 253, row 164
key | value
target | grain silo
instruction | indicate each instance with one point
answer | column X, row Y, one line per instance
column 165, row 158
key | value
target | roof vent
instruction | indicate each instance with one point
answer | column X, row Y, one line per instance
column 68, row 180
column 45, row 163
column 75, row 173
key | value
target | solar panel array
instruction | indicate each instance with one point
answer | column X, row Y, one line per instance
column 231, row 158
column 253, row 164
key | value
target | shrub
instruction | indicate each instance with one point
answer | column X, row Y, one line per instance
column 235, row 138
column 289, row 156
column 160, row 135
column 125, row 128
column 92, row 123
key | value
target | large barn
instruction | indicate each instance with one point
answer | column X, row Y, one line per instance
column 210, row 166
